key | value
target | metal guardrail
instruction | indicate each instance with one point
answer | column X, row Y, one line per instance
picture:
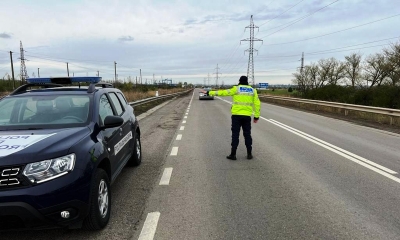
column 151, row 99
column 345, row 106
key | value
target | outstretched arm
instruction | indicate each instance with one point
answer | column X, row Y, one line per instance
column 226, row 92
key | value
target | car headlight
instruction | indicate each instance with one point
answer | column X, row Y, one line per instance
column 201, row 94
column 46, row 170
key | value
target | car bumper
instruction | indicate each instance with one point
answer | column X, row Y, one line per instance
column 206, row 97
column 40, row 206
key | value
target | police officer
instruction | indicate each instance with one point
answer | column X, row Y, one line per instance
column 245, row 101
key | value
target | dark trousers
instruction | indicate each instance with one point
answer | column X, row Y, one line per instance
column 245, row 123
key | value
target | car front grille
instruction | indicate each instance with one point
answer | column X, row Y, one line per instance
column 11, row 177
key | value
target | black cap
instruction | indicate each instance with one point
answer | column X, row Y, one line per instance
column 243, row 80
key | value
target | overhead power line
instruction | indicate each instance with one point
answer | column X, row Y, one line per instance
column 332, row 49
column 281, row 13
column 300, row 19
column 327, row 34
column 66, row 59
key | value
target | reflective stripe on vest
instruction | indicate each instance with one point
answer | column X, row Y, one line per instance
column 243, row 104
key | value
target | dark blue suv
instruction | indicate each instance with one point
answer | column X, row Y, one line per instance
column 61, row 147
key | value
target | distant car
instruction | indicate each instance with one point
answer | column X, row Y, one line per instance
column 203, row 96
column 60, row 150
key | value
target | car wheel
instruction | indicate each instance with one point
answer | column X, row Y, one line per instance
column 136, row 158
column 100, row 202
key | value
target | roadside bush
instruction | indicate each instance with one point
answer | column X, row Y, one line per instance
column 332, row 93
column 380, row 96
column 290, row 89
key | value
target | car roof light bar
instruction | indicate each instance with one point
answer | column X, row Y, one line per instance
column 64, row 80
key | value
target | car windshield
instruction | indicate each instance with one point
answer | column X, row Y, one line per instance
column 28, row 112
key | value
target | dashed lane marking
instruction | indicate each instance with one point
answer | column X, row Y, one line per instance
column 166, row 177
column 150, row 226
column 174, row 151
column 179, row 137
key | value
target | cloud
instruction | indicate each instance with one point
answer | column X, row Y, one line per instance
column 5, row 35
column 126, row 38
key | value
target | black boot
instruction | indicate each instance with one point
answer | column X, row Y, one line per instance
column 249, row 155
column 233, row 155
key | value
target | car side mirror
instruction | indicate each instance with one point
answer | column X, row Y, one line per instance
column 112, row 121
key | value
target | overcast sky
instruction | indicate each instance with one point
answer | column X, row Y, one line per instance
column 185, row 39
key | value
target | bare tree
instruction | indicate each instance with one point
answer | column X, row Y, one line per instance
column 393, row 60
column 337, row 72
column 324, row 73
column 376, row 69
column 307, row 78
column 353, row 68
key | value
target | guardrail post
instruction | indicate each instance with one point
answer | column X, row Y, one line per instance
column 391, row 120
column 346, row 112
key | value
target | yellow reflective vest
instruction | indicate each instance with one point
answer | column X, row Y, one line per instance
column 245, row 100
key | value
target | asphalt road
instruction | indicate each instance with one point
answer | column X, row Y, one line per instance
column 324, row 185
column 134, row 185
column 312, row 177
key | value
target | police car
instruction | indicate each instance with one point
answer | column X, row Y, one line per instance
column 61, row 147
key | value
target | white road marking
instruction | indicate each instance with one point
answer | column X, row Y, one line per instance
column 174, row 151
column 182, row 128
column 150, row 226
column 184, row 121
column 350, row 156
column 185, row 117
column 346, row 154
column 186, row 113
column 179, row 137
column 166, row 177
column 340, row 149
column 224, row 100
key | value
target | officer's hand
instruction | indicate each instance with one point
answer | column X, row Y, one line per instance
column 203, row 91
column 255, row 120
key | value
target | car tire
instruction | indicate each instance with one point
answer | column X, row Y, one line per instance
column 100, row 202
column 136, row 158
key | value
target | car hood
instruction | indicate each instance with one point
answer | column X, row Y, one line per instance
column 21, row 147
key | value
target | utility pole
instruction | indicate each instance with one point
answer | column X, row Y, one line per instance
column 136, row 82
column 209, row 79
column 67, row 70
column 153, row 79
column 23, row 72
column 38, row 74
column 115, row 71
column 216, row 80
column 12, row 69
column 98, row 73
column 140, row 76
column 251, row 50
column 302, row 63
column 205, row 82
